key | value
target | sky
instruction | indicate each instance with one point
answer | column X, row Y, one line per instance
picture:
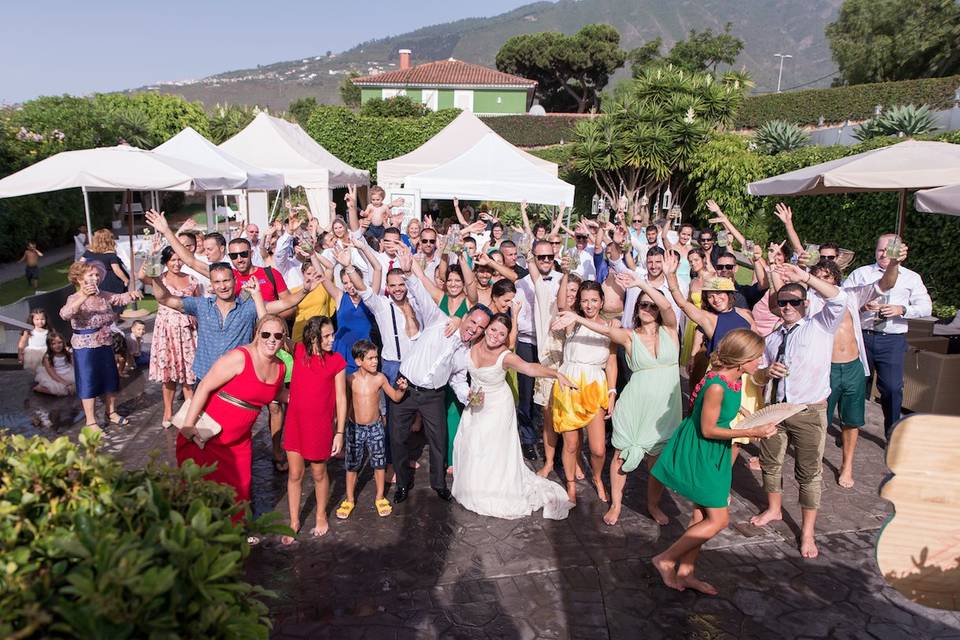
column 51, row 47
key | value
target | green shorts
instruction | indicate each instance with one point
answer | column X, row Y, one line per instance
column 848, row 392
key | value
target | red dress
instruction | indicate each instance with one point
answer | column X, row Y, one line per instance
column 231, row 449
column 308, row 428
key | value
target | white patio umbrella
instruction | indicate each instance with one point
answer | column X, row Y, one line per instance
column 906, row 166
column 941, row 200
column 120, row 168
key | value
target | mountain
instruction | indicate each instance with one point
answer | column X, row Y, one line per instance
column 766, row 27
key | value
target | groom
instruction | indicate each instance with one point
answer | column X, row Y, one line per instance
column 433, row 360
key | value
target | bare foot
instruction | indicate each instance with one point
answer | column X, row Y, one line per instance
column 765, row 517
column 545, row 470
column 572, row 492
column 659, row 516
column 808, row 547
column 611, row 516
column 579, row 474
column 320, row 530
column 668, row 573
column 601, row 491
column 288, row 540
column 754, row 463
column 692, row 582
column 845, row 479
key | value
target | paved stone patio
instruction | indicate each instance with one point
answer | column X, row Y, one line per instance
column 433, row 569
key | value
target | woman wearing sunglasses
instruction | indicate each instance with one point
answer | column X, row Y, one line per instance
column 232, row 393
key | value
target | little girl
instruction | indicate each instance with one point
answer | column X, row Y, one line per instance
column 33, row 343
column 55, row 375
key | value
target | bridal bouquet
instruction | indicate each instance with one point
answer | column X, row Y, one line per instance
column 475, row 398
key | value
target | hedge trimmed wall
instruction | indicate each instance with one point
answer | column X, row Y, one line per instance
column 837, row 104
column 533, row 131
column 724, row 166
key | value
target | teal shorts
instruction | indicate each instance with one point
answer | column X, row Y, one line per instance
column 848, row 393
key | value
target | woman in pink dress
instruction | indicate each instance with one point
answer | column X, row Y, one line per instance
column 238, row 385
column 317, row 388
column 174, row 337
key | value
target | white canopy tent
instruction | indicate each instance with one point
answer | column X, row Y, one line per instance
column 464, row 132
column 191, row 146
column 285, row 148
column 491, row 169
column 902, row 167
column 942, row 200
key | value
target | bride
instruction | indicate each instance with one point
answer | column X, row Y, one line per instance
column 491, row 477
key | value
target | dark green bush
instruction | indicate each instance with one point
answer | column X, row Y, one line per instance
column 395, row 107
column 534, row 131
column 90, row 550
column 837, row 104
column 722, row 168
column 361, row 141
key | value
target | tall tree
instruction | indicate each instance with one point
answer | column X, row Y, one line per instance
column 650, row 130
column 567, row 68
column 704, row 50
column 644, row 55
column 349, row 92
column 883, row 40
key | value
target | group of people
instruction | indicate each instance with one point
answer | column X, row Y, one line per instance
column 374, row 336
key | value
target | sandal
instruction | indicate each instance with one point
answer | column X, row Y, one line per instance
column 166, row 424
column 383, row 507
column 345, row 509
column 118, row 420
column 93, row 426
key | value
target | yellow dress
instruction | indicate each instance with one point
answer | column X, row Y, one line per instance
column 317, row 303
column 585, row 355
column 696, row 297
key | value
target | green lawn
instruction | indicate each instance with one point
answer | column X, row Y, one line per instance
column 51, row 277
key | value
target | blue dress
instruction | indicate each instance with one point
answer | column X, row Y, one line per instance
column 353, row 323
column 726, row 322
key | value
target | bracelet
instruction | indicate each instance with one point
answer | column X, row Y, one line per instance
column 338, row 433
column 612, row 392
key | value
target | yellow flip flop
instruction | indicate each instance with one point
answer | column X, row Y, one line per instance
column 383, row 507
column 345, row 509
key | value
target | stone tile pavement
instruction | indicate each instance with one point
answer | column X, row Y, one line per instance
column 433, row 569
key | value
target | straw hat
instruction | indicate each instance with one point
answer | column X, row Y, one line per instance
column 717, row 283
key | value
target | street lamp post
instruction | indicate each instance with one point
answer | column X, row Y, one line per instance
column 780, row 75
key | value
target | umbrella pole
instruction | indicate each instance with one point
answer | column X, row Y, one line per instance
column 902, row 213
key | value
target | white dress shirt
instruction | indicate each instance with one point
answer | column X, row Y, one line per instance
column 909, row 292
column 389, row 317
column 526, row 321
column 808, row 353
column 587, row 270
column 435, row 360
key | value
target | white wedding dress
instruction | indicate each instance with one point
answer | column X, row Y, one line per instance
column 490, row 477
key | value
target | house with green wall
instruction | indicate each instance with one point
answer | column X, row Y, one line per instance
column 451, row 83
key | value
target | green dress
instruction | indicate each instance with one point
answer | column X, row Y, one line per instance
column 650, row 408
column 454, row 407
column 696, row 467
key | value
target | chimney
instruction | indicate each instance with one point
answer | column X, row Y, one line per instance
column 404, row 59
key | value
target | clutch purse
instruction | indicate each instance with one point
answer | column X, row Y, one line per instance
column 205, row 428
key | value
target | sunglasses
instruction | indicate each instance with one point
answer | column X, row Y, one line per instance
column 795, row 303
column 726, row 267
column 581, row 237
column 702, row 239
column 646, row 306
column 826, row 257
column 427, row 241
column 277, row 335
column 238, row 254
column 556, row 242
column 545, row 257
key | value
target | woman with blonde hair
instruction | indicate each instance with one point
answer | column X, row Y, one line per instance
column 696, row 461
column 103, row 249
column 90, row 313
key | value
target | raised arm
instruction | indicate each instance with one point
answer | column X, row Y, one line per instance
column 562, row 294
column 353, row 218
column 435, row 292
column 703, row 319
column 616, row 333
column 527, row 229
column 785, row 214
column 456, row 210
column 667, row 315
column 326, row 278
column 558, row 221
column 159, row 222
column 722, row 218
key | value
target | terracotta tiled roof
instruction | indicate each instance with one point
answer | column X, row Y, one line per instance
column 446, row 72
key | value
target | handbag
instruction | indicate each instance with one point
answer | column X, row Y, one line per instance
column 205, row 428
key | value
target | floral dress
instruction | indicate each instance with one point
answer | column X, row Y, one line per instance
column 174, row 339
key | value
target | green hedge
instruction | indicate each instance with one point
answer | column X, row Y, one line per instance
column 723, row 167
column 533, row 131
column 90, row 550
column 837, row 104
column 362, row 141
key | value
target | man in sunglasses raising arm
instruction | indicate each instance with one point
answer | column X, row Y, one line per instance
column 796, row 361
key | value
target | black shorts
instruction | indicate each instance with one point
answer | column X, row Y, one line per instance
column 32, row 273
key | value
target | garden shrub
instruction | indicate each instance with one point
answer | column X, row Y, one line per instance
column 90, row 550
column 533, row 131
column 837, row 104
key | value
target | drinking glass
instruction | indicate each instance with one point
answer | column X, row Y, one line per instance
column 813, row 254
column 893, row 248
column 722, row 238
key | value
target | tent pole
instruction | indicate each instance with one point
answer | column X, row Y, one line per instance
column 86, row 211
column 902, row 213
column 133, row 257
